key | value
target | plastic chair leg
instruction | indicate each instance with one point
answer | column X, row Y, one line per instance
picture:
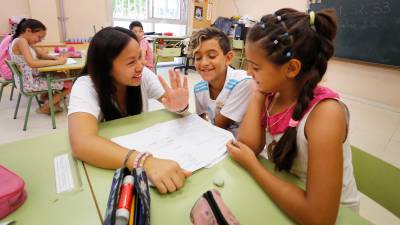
column 1, row 91
column 27, row 112
column 65, row 104
column 12, row 92
column 17, row 106
column 38, row 102
column 51, row 101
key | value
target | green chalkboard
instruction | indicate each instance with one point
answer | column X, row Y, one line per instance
column 368, row 30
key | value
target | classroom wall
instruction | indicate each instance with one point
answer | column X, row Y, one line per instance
column 255, row 8
column 367, row 81
column 47, row 15
column 11, row 8
column 82, row 15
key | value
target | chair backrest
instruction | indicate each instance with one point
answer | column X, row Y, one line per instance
column 16, row 73
column 377, row 179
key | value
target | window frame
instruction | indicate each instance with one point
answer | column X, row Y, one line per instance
column 184, row 14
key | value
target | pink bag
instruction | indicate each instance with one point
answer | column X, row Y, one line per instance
column 211, row 209
column 5, row 72
column 12, row 193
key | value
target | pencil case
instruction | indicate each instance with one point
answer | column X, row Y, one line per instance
column 12, row 192
column 140, row 196
column 211, row 209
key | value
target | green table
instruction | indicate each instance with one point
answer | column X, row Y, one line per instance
column 32, row 159
column 241, row 193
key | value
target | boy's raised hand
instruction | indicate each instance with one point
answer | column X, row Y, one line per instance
column 176, row 96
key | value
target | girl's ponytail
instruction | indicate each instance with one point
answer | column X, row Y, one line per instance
column 18, row 31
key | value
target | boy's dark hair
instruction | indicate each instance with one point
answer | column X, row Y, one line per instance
column 207, row 34
column 135, row 24
column 34, row 25
column 288, row 34
column 105, row 46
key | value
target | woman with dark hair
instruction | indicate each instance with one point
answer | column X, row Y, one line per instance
column 23, row 52
column 118, row 85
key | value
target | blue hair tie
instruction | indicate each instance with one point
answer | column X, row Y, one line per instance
column 288, row 54
column 286, row 34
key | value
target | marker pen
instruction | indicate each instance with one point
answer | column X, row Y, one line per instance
column 125, row 201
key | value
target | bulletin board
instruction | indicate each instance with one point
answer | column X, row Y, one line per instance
column 202, row 13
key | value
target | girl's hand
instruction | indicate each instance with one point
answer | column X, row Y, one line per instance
column 165, row 174
column 241, row 153
column 259, row 96
column 61, row 59
column 176, row 97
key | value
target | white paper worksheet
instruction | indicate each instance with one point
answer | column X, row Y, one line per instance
column 70, row 61
column 190, row 141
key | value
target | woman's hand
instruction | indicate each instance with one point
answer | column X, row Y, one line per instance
column 165, row 174
column 241, row 153
column 176, row 97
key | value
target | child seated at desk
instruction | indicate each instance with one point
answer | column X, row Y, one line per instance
column 222, row 96
column 116, row 84
column 22, row 51
column 304, row 126
column 147, row 52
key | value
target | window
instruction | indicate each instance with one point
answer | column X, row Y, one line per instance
column 156, row 15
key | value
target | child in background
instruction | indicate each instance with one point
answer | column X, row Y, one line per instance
column 304, row 126
column 5, row 72
column 22, row 51
column 147, row 52
column 223, row 94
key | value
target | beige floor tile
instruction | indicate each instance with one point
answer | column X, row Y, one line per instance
column 371, row 118
column 396, row 135
column 375, row 213
column 392, row 153
column 38, row 124
column 373, row 142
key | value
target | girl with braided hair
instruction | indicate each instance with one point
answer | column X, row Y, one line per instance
column 303, row 126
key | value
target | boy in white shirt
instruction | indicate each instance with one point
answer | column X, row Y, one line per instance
column 223, row 94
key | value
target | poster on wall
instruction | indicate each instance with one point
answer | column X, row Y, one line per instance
column 198, row 13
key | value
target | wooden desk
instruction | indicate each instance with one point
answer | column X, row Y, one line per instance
column 32, row 159
column 241, row 193
column 49, row 71
column 80, row 62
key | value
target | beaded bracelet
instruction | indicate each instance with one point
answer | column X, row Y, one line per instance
column 144, row 157
column 137, row 159
column 128, row 154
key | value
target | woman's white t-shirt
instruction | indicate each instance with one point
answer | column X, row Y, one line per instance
column 84, row 97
